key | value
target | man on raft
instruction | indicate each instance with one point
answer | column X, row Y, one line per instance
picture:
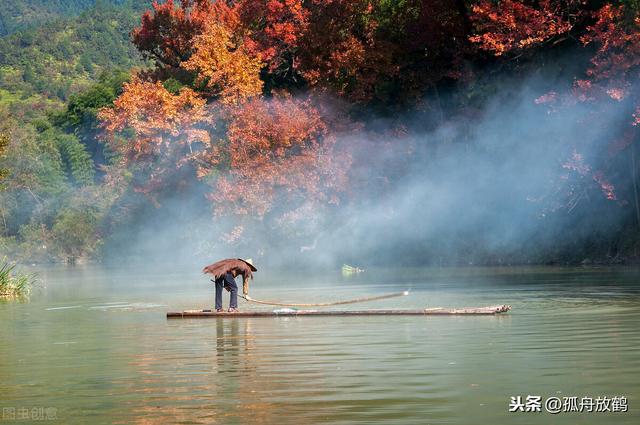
column 224, row 273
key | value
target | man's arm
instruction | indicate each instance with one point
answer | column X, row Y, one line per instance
column 245, row 285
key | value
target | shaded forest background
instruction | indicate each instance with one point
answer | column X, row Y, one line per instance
column 374, row 132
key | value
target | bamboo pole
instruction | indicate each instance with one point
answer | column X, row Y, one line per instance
column 352, row 301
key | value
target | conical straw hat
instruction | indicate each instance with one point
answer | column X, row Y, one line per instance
column 249, row 261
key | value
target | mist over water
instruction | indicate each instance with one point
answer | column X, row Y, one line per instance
column 492, row 189
column 492, row 184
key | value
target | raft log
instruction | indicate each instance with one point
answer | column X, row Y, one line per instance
column 290, row 312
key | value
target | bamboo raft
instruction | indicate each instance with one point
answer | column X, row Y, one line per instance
column 491, row 310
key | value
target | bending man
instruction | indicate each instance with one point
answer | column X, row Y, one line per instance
column 224, row 273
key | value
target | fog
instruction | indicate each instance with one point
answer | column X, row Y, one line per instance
column 492, row 189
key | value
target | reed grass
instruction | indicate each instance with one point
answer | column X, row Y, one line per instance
column 14, row 283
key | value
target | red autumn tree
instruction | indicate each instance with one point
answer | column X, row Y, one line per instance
column 608, row 83
column 339, row 49
column 258, row 153
column 167, row 31
column 280, row 155
column 388, row 52
column 614, row 72
column 360, row 49
column 515, row 25
column 153, row 131
column 274, row 29
column 615, row 64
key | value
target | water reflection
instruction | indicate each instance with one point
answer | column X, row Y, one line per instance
column 207, row 374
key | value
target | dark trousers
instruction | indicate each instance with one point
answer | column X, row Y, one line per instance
column 230, row 282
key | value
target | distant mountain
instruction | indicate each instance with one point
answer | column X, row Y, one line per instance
column 62, row 57
column 17, row 15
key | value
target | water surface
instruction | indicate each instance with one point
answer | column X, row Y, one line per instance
column 94, row 345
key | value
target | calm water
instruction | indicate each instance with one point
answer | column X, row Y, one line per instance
column 95, row 346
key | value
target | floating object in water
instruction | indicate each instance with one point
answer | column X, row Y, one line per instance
column 63, row 308
column 285, row 310
column 108, row 306
column 125, row 306
column 348, row 270
column 480, row 311
column 352, row 301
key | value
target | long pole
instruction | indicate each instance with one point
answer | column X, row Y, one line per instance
column 352, row 301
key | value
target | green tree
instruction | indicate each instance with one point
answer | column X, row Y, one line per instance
column 80, row 115
column 74, row 233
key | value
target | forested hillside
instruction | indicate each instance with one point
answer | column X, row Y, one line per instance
column 23, row 14
column 53, row 79
column 61, row 58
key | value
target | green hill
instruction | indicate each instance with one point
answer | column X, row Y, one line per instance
column 53, row 79
column 16, row 15
column 52, row 62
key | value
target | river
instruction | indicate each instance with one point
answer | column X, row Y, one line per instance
column 93, row 345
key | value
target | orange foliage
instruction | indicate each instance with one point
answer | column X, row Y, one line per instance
column 166, row 33
column 618, row 53
column 279, row 149
column 615, row 66
column 153, row 130
column 155, row 116
column 224, row 66
column 611, row 76
column 511, row 25
column 265, row 151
